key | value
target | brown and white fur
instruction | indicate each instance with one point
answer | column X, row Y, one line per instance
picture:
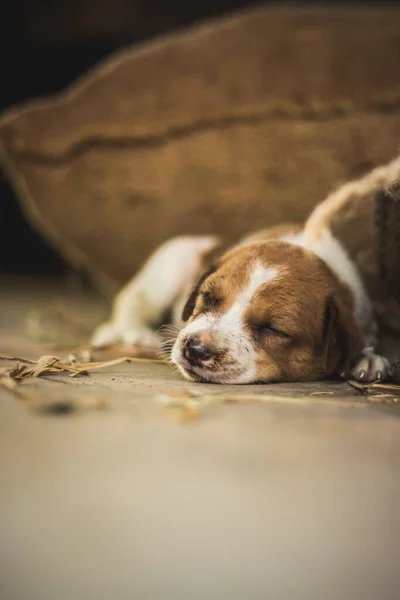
column 286, row 304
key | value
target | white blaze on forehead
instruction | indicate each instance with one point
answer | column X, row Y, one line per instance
column 259, row 276
column 232, row 320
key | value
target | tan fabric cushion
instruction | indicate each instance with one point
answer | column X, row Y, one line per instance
column 236, row 125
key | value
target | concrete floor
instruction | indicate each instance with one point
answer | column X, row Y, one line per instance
column 293, row 497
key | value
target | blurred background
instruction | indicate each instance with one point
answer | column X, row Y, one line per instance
column 45, row 46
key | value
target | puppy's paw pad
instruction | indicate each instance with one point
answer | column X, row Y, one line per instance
column 104, row 335
column 371, row 367
column 141, row 336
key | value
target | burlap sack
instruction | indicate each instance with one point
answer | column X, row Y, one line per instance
column 239, row 124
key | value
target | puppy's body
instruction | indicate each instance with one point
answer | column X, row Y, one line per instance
column 284, row 304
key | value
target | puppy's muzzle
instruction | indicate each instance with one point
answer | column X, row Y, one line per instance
column 198, row 351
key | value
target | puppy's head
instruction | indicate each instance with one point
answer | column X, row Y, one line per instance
column 270, row 311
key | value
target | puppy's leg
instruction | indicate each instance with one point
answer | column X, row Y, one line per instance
column 370, row 366
column 141, row 304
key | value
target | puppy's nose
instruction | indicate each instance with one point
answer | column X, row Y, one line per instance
column 195, row 351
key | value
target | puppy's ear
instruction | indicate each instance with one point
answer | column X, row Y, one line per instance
column 342, row 338
column 191, row 301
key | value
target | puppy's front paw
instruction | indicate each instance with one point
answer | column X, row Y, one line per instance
column 141, row 336
column 109, row 333
column 104, row 335
column 370, row 367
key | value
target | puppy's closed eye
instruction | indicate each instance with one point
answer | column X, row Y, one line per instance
column 268, row 331
column 209, row 299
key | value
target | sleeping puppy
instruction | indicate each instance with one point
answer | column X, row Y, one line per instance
column 285, row 304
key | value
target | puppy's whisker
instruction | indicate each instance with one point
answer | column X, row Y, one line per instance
column 170, row 341
column 168, row 330
column 168, row 346
column 170, row 326
column 167, row 343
